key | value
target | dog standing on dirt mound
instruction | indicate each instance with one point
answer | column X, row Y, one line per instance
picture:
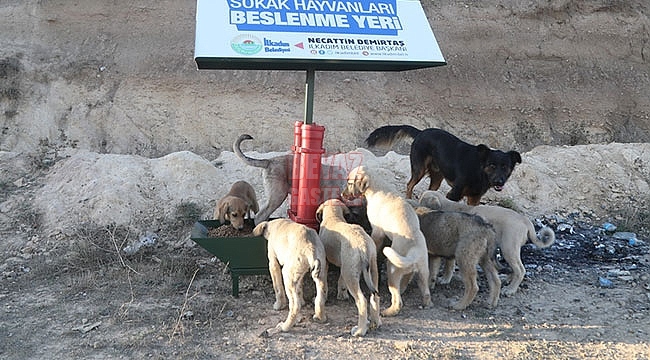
column 469, row 169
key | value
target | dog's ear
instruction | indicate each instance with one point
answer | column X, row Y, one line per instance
column 431, row 201
column 222, row 210
column 254, row 206
column 260, row 228
column 483, row 153
column 346, row 210
column 515, row 157
column 414, row 203
column 362, row 184
column 319, row 213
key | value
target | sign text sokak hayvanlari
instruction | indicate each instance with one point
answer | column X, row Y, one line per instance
column 378, row 17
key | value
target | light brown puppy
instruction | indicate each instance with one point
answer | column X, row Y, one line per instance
column 239, row 203
column 294, row 250
column 391, row 216
column 513, row 231
column 350, row 248
column 470, row 241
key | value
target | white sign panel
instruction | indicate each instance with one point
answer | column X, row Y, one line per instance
column 314, row 34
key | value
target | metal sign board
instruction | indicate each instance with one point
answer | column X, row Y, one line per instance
column 358, row 35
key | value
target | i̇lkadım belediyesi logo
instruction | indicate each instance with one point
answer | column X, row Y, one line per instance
column 246, row 44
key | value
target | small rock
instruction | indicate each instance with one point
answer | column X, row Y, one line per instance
column 609, row 227
column 618, row 272
column 604, row 282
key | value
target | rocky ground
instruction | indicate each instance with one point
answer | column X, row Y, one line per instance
column 111, row 138
column 142, row 288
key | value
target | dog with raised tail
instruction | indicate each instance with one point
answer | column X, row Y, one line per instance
column 513, row 230
column 277, row 173
column 391, row 216
column 470, row 170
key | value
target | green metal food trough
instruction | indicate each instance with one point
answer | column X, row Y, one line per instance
column 245, row 255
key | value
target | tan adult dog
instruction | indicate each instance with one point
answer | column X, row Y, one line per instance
column 293, row 250
column 238, row 203
column 277, row 174
column 391, row 216
column 513, row 230
column 470, row 241
column 350, row 248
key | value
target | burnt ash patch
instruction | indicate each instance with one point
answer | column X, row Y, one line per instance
column 579, row 245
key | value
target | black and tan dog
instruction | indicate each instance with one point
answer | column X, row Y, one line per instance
column 469, row 169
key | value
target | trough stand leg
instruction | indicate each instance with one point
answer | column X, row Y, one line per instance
column 235, row 284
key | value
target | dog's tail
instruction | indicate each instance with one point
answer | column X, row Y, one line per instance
column 316, row 269
column 236, row 148
column 389, row 134
column 545, row 239
column 403, row 262
column 367, row 277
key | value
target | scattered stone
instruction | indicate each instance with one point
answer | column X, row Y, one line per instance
column 85, row 327
column 149, row 239
column 605, row 283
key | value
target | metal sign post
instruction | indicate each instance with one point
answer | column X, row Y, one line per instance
column 309, row 96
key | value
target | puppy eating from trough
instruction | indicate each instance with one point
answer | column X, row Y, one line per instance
column 391, row 216
column 470, row 170
column 293, row 251
column 470, row 241
column 350, row 248
column 240, row 202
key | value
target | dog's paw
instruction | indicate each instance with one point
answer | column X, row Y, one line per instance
column 322, row 318
column 508, row 291
column 391, row 311
column 343, row 295
column 444, row 280
column 357, row 331
column 492, row 303
column 426, row 302
column 279, row 306
column 283, row 326
column 458, row 306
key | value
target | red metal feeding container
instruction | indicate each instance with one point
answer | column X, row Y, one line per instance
column 305, row 182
